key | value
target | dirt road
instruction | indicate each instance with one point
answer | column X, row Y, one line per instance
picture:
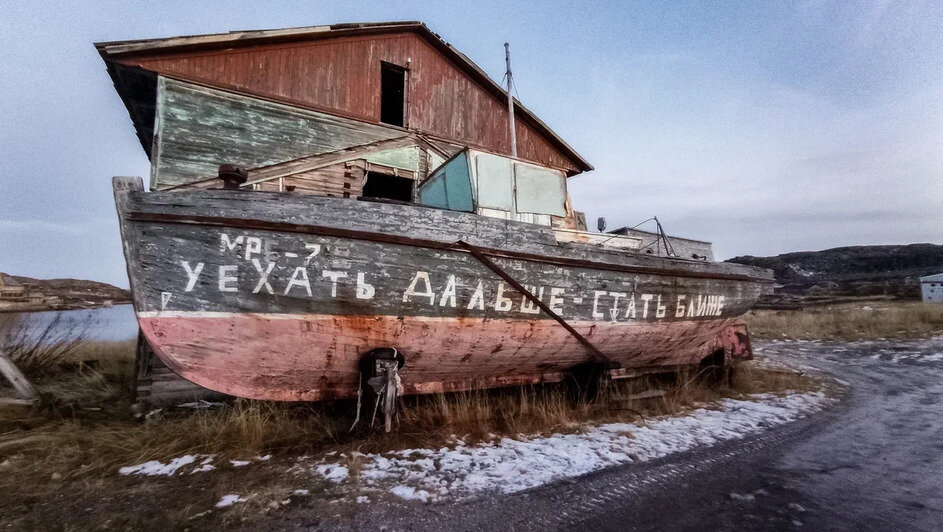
column 874, row 462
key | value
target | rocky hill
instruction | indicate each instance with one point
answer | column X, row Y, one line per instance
column 62, row 294
column 853, row 271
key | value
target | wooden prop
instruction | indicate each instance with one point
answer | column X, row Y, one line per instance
column 16, row 378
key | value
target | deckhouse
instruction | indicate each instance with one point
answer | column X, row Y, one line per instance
column 380, row 110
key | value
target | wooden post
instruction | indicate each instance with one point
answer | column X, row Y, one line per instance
column 507, row 59
column 16, row 377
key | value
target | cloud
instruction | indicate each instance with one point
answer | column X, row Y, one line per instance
column 761, row 167
column 46, row 227
column 765, row 128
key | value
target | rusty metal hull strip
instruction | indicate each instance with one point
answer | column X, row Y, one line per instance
column 530, row 295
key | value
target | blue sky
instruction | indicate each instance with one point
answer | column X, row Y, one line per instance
column 765, row 127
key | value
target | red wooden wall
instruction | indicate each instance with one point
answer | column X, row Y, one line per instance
column 342, row 76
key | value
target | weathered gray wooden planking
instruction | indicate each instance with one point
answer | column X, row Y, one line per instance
column 124, row 189
column 683, row 247
column 188, row 267
column 159, row 386
column 200, row 128
column 413, row 221
column 308, row 163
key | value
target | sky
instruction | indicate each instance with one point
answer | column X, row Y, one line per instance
column 764, row 127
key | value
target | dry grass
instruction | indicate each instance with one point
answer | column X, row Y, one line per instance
column 39, row 349
column 62, row 458
column 72, row 440
column 855, row 321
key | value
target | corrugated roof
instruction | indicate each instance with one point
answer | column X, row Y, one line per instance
column 935, row 278
column 117, row 49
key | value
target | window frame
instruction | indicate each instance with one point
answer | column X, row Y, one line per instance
column 386, row 65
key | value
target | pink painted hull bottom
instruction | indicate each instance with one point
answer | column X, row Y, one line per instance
column 314, row 357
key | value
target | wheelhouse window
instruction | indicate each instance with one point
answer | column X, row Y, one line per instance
column 449, row 187
column 392, row 94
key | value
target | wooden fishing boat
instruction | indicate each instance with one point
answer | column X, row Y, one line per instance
column 381, row 191
column 278, row 295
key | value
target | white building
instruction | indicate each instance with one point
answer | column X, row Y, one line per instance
column 932, row 288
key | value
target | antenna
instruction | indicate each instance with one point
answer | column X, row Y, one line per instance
column 507, row 60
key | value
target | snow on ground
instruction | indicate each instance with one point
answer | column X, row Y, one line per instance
column 155, row 468
column 333, row 472
column 408, row 492
column 205, row 465
column 911, row 352
column 511, row 465
column 229, row 500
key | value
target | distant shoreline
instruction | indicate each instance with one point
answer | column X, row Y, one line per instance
column 27, row 308
column 26, row 294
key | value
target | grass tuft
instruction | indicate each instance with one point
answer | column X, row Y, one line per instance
column 855, row 321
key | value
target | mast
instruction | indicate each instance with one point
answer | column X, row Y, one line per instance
column 507, row 60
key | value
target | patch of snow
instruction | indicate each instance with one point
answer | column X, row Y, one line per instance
column 240, row 463
column 229, row 500
column 749, row 497
column 300, row 493
column 203, row 468
column 264, row 458
column 511, row 465
column 363, row 499
column 333, row 472
column 205, row 465
column 797, row 507
column 799, row 270
column 155, row 468
column 410, row 493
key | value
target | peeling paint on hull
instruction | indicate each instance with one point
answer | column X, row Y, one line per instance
column 275, row 296
column 312, row 357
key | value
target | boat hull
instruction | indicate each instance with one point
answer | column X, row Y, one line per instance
column 272, row 296
column 309, row 357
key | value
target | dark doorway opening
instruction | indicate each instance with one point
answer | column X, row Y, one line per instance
column 388, row 186
column 392, row 94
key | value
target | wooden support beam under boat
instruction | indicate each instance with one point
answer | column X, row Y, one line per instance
column 19, row 381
